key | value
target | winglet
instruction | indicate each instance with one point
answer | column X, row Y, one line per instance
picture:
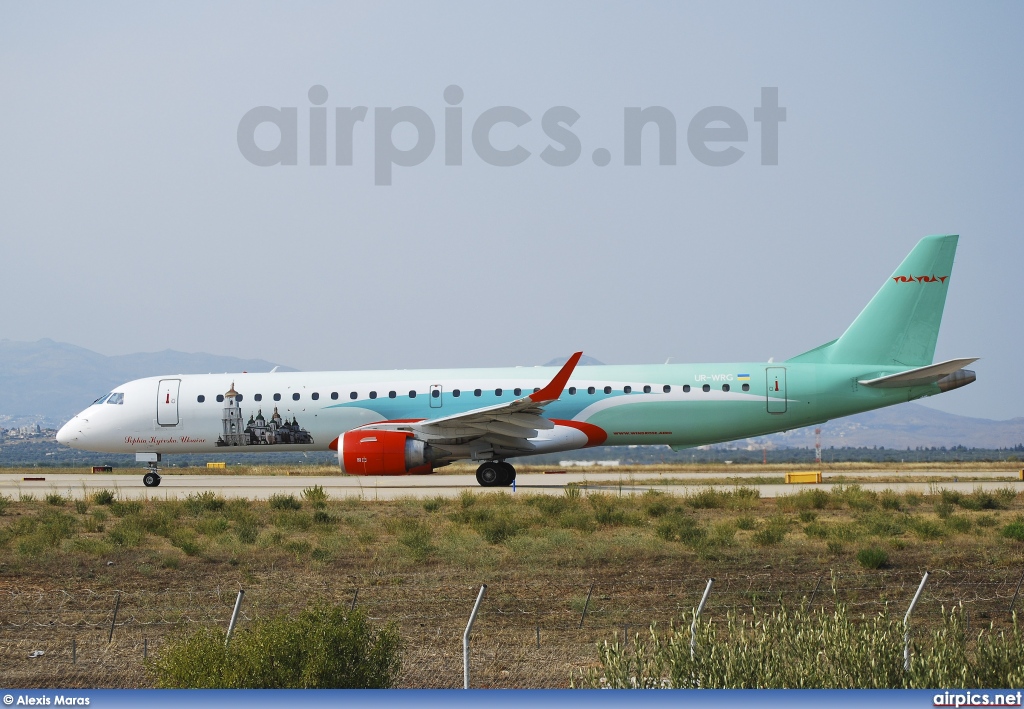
column 554, row 388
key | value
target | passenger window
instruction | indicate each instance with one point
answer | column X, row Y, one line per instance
column 517, row 391
column 746, row 387
column 536, row 389
column 725, row 387
column 116, row 398
column 200, row 398
column 607, row 390
column 686, row 388
column 373, row 395
column 412, row 393
column 295, row 396
column 220, row 397
column 666, row 388
column 706, row 387
column 353, row 395
column 238, row 397
column 591, row 390
column 277, row 397
column 258, row 397
column 572, row 391
column 456, row 393
column 334, row 396
column 315, row 396
column 476, row 392
column 392, row 395
column 647, row 388
column 627, row 389
column 497, row 392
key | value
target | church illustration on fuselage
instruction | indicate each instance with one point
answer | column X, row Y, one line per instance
column 259, row 430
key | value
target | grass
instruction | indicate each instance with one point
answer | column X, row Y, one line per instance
column 533, row 551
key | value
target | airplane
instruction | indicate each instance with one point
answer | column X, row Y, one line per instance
column 412, row 422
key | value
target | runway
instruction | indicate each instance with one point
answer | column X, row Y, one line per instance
column 78, row 485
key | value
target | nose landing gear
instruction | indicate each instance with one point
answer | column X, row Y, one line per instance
column 151, row 478
column 495, row 474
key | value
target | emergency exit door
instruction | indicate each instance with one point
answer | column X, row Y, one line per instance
column 435, row 396
column 776, row 377
column 167, row 402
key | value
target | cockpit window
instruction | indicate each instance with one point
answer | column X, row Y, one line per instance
column 100, row 400
column 116, row 398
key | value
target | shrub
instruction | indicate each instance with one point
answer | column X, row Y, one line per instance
column 209, row 501
column 280, row 501
column 927, row 528
column 323, row 648
column 746, row 522
column 56, row 499
column 680, row 527
column 322, row 517
column 125, row 508
column 803, row 648
column 1015, row 529
column 815, row 499
column 872, row 558
column 103, row 497
column 958, row 524
column 416, row 537
column 770, row 535
column 81, row 506
column 707, row 499
column 606, row 511
column 808, row 516
column 128, row 532
column 4, row 502
column 315, row 496
column 247, row 528
column 890, row 500
column 834, row 546
column 185, row 540
column 433, row 504
column 944, row 509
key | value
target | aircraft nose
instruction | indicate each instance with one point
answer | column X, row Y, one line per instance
column 68, row 433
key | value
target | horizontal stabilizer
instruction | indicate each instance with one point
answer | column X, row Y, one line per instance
column 920, row 376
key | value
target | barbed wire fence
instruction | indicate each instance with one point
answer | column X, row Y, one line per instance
column 521, row 623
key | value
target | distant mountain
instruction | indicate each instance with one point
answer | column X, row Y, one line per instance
column 48, row 382
column 585, row 361
column 902, row 426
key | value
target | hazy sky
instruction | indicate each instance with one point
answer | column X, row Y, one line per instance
column 131, row 220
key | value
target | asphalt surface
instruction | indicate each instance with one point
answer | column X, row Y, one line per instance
column 78, row 485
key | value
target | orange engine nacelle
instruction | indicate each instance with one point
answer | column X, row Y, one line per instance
column 383, row 453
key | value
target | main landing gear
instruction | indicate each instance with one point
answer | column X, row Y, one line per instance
column 151, row 478
column 495, row 474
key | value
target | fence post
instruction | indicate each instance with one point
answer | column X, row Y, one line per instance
column 906, row 624
column 586, row 604
column 813, row 593
column 1014, row 600
column 693, row 625
column 234, row 617
column 117, row 604
column 465, row 637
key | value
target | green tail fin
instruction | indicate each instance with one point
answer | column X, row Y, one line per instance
column 901, row 323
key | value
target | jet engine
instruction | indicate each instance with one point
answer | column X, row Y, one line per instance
column 384, row 453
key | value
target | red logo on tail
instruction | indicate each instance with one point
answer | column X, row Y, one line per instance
column 920, row 279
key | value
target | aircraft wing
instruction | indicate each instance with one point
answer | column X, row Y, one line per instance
column 920, row 376
column 506, row 425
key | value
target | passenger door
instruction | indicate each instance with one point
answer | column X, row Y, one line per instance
column 167, row 402
column 776, row 379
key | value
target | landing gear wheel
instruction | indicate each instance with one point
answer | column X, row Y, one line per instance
column 508, row 475
column 151, row 479
column 490, row 474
